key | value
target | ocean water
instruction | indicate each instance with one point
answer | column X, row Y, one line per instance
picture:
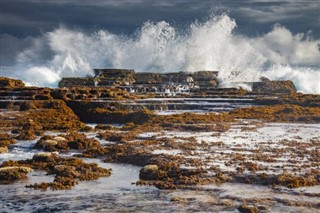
column 213, row 44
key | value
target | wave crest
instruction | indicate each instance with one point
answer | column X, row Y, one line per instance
column 160, row 47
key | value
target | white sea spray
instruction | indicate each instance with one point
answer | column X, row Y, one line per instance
column 160, row 47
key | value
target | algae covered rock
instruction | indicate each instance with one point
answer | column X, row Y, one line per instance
column 248, row 209
column 6, row 140
column 72, row 140
column 12, row 83
column 67, row 171
column 3, row 149
column 168, row 175
column 149, row 172
column 13, row 173
column 293, row 181
column 267, row 86
column 45, row 157
column 49, row 143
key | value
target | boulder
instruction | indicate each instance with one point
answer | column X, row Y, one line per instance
column 150, row 167
column 45, row 157
column 59, row 138
column 13, row 173
column 49, row 143
column 3, row 150
column 11, row 83
column 267, row 86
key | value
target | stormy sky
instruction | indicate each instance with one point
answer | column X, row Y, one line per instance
column 23, row 20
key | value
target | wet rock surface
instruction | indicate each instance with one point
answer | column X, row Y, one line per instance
column 267, row 86
column 9, row 174
column 67, row 171
column 190, row 158
column 147, row 82
column 10, row 83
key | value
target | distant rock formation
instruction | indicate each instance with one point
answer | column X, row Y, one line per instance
column 114, row 77
column 168, row 83
column 177, row 82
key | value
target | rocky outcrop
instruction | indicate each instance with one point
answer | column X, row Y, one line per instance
column 3, row 149
column 115, row 73
column 148, row 78
column 114, row 77
column 90, row 93
column 70, row 82
column 205, row 79
column 25, row 93
column 267, row 86
column 12, row 83
column 10, row 174
column 176, row 82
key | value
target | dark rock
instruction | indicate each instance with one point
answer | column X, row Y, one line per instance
column 248, row 209
column 147, row 82
column 267, row 86
column 70, row 82
column 13, row 173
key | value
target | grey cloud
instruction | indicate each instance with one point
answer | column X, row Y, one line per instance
column 10, row 47
column 24, row 18
column 298, row 16
column 125, row 16
column 283, row 11
column 117, row 16
column 10, row 19
column 261, row 16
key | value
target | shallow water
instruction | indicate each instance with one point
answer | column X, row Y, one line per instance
column 99, row 195
column 117, row 193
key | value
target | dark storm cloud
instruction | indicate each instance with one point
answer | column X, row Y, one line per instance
column 25, row 17
column 298, row 16
column 30, row 17
column 21, row 19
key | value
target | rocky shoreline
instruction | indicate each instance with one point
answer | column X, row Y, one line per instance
column 175, row 151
